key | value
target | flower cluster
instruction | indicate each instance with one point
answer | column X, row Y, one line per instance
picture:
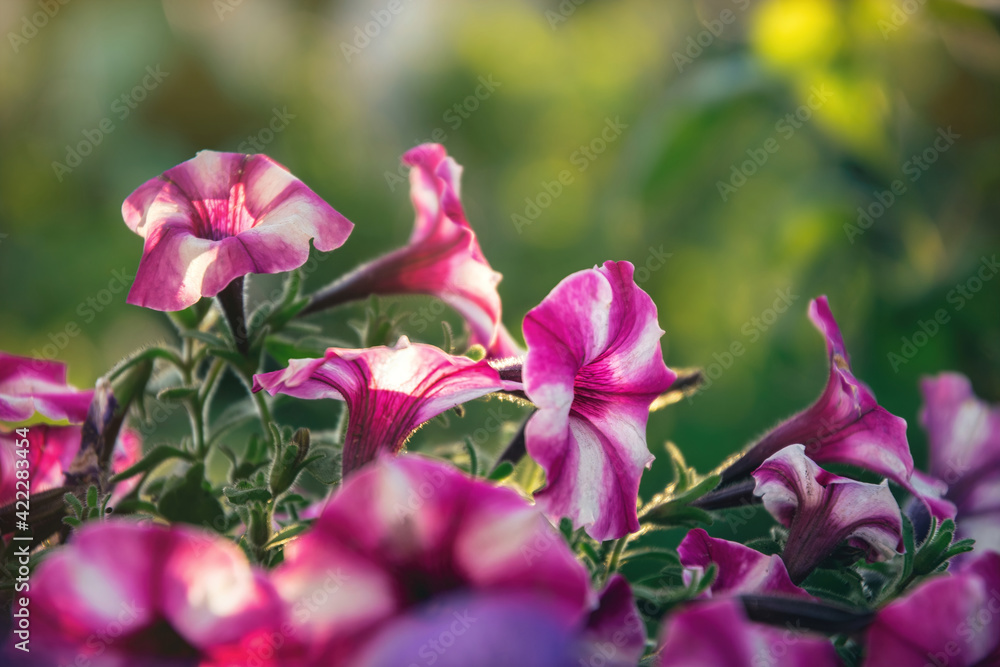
column 255, row 541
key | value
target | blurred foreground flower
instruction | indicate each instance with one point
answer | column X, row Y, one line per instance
column 218, row 217
column 718, row 634
column 123, row 594
column 443, row 258
column 416, row 560
column 953, row 620
column 593, row 368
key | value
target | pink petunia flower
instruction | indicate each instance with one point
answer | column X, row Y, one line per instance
column 412, row 560
column 740, row 569
column 218, row 217
column 593, row 368
column 49, row 452
column 952, row 620
column 821, row 510
column 845, row 424
column 29, row 385
column 443, row 258
column 389, row 391
column 964, row 436
column 125, row 594
column 717, row 633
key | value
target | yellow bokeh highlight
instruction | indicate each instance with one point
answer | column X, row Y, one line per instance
column 792, row 34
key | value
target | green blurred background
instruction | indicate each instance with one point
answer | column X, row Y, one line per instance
column 696, row 88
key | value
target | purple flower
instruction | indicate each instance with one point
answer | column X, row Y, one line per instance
column 218, row 217
column 389, row 391
column 593, row 368
column 964, row 436
column 951, row 620
column 821, row 510
column 29, row 385
column 415, row 561
column 717, row 633
column 125, row 594
column 740, row 569
column 443, row 258
column 845, row 425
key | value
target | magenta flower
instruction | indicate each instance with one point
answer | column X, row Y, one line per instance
column 845, row 424
column 133, row 595
column 964, row 435
column 29, row 385
column 50, row 451
column 740, row 569
column 821, row 510
column 593, row 368
column 951, row 620
column 218, row 217
column 717, row 633
column 442, row 259
column 413, row 561
column 389, row 391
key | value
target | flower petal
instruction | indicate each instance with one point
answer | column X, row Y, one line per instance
column 27, row 385
column 821, row 510
column 442, row 259
column 740, row 569
column 845, row 424
column 49, row 453
column 389, row 391
column 593, row 368
column 220, row 216
column 948, row 620
column 718, row 634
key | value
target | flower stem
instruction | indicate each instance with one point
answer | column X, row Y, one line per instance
column 616, row 556
column 232, row 304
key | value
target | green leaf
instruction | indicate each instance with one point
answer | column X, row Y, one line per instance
column 186, row 500
column 238, row 495
column 679, row 515
column 72, row 521
column 154, row 458
column 473, row 459
column 74, row 504
column 287, row 534
column 501, row 472
column 177, row 394
column 323, row 463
